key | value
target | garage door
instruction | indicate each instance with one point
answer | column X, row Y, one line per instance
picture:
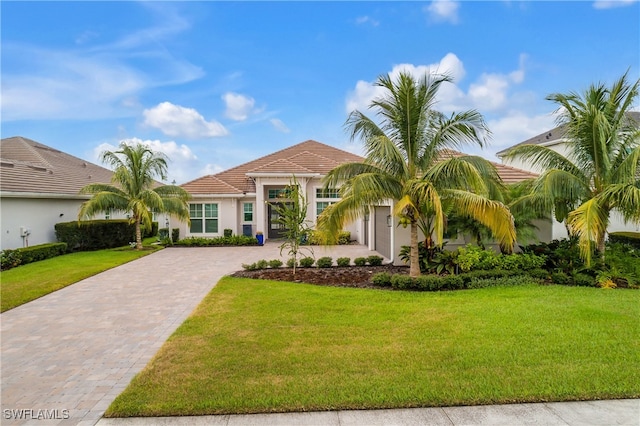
column 383, row 231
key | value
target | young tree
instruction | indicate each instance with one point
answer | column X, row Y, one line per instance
column 293, row 218
column 133, row 189
column 406, row 161
column 601, row 170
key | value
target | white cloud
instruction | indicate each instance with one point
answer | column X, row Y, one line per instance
column 360, row 98
column 443, row 11
column 610, row 4
column 518, row 127
column 238, row 106
column 279, row 125
column 177, row 121
column 182, row 160
column 361, row 20
column 91, row 80
column 211, row 169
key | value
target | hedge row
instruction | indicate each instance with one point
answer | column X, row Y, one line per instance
column 99, row 234
column 631, row 238
column 11, row 258
column 475, row 279
column 234, row 240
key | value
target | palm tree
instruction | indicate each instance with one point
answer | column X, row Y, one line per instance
column 134, row 190
column 601, row 170
column 406, row 162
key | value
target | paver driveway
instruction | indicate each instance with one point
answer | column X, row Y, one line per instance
column 70, row 353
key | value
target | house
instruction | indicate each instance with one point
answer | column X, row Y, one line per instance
column 39, row 187
column 243, row 198
column 555, row 139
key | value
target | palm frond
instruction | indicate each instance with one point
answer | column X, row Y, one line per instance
column 589, row 223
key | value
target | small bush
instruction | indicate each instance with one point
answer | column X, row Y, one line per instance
column 516, row 280
column 324, row 262
column 538, row 273
column 291, row 262
column 9, row 259
column 560, row 278
column 584, row 280
column 344, row 237
column 262, row 264
column 175, row 234
column 234, row 240
column 275, row 263
column 375, row 260
column 469, row 277
column 381, row 279
column 22, row 256
column 360, row 261
column 343, row 261
column 306, row 262
column 227, row 232
column 250, row 267
column 401, row 282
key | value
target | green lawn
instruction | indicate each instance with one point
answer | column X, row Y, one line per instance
column 264, row 346
column 31, row 281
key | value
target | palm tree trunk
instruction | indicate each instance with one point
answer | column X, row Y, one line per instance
column 138, row 235
column 601, row 245
column 414, row 265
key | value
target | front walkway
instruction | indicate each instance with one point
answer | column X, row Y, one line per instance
column 70, row 353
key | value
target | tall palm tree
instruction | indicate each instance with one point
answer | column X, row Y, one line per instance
column 405, row 161
column 601, row 170
column 133, row 189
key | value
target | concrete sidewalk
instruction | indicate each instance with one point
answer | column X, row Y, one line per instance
column 597, row 413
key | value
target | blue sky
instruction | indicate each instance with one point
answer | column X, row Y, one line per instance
column 216, row 84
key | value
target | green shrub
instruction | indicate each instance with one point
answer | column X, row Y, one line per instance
column 234, row 240
column 343, row 261
column 227, row 232
column 344, row 237
column 521, row 261
column 275, row 263
column 95, row 234
column 426, row 283
column 516, row 280
column 375, row 260
column 150, row 232
column 452, row 282
column 468, row 277
column 324, row 262
column 560, row 278
column 22, row 256
column 401, row 282
column 306, row 262
column 250, row 266
column 538, row 273
column 584, row 280
column 175, row 234
column 473, row 257
column 360, row 261
column 10, row 258
column 291, row 262
column 381, row 279
column 630, row 238
column 262, row 264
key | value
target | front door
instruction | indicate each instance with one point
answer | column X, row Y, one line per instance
column 276, row 229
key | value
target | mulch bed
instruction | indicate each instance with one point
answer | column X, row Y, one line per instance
column 349, row 276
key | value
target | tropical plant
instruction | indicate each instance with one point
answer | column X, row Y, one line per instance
column 408, row 160
column 601, row 169
column 133, row 188
column 292, row 215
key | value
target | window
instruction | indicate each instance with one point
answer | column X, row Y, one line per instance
column 107, row 214
column 327, row 193
column 248, row 212
column 279, row 193
column 204, row 218
column 321, row 205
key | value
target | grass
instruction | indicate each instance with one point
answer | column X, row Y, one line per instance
column 31, row 281
column 265, row 346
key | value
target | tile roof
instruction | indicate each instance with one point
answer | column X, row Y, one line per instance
column 31, row 167
column 508, row 174
column 306, row 157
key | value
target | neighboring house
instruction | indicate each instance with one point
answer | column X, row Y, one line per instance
column 555, row 140
column 242, row 198
column 39, row 187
